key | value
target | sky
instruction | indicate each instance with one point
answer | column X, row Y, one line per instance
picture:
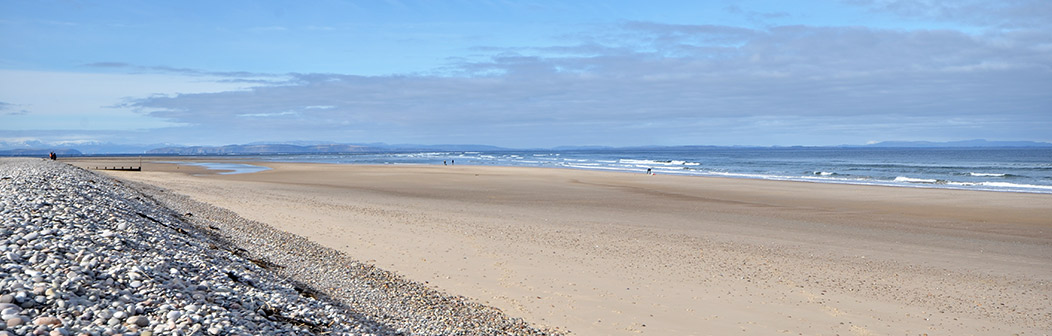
column 524, row 74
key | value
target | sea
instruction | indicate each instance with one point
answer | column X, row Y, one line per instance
column 1026, row 170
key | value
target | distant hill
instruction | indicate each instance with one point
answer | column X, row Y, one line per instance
column 82, row 147
column 446, row 147
column 257, row 149
column 263, row 148
column 582, row 148
column 964, row 143
column 39, row 152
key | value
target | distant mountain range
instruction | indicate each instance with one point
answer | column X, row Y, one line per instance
column 40, row 152
column 958, row 144
column 36, row 148
column 33, row 148
column 316, row 148
column 256, row 149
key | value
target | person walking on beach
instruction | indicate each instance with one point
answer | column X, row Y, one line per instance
column 649, row 172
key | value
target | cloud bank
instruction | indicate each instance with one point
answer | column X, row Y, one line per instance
column 654, row 83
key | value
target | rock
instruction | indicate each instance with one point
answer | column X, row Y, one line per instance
column 14, row 321
column 7, row 298
column 138, row 320
column 21, row 296
column 10, row 312
column 47, row 320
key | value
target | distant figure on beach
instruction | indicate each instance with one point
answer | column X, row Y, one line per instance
column 444, row 163
column 452, row 162
column 53, row 156
column 649, row 172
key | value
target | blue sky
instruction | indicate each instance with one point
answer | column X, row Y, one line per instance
column 524, row 73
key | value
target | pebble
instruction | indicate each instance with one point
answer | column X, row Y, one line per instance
column 10, row 312
column 138, row 320
column 14, row 321
column 47, row 320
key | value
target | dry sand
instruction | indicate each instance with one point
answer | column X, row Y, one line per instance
column 601, row 253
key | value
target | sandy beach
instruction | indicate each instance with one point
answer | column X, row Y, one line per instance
column 600, row 253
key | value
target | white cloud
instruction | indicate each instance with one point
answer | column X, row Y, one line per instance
column 91, row 101
column 268, row 115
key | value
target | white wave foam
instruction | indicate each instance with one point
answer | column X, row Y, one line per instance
column 659, row 163
column 987, row 174
column 915, row 180
column 1015, row 185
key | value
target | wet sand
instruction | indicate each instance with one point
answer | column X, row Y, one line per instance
column 601, row 253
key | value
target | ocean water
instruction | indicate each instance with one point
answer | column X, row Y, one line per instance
column 993, row 169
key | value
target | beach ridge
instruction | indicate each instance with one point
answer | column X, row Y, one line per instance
column 87, row 254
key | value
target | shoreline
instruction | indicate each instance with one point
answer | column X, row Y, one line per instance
column 555, row 245
column 918, row 184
